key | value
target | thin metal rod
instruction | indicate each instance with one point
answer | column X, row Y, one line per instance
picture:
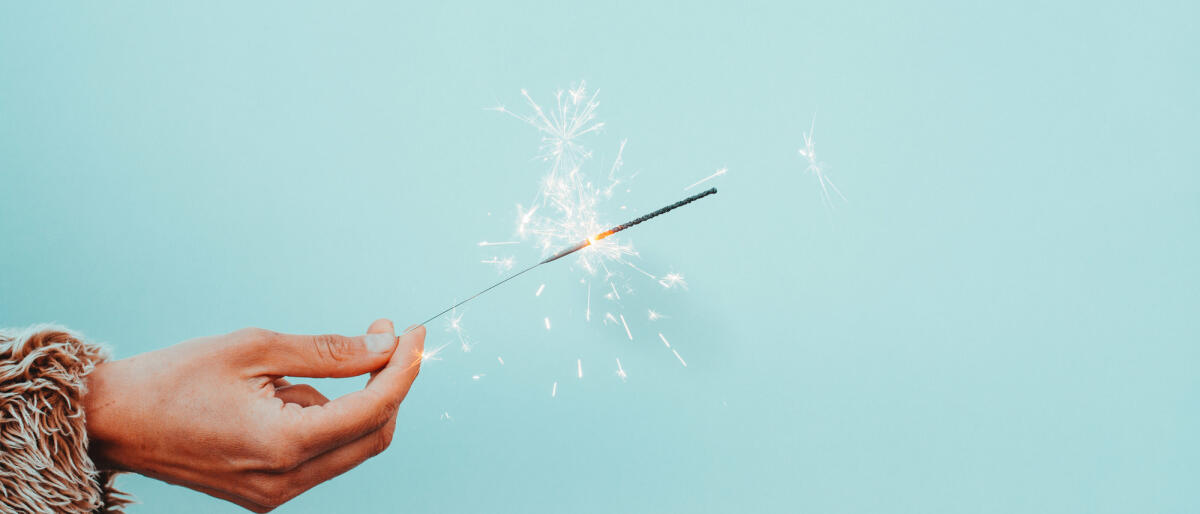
column 457, row 305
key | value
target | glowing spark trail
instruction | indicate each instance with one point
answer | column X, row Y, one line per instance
column 580, row 246
column 620, row 371
column 681, row 361
column 501, row 243
column 540, row 289
column 627, row 332
column 554, row 390
column 719, row 172
column 664, row 339
column 579, row 366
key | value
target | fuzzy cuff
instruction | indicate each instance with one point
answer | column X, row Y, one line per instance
column 44, row 463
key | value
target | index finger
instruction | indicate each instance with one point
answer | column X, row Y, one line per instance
column 351, row 416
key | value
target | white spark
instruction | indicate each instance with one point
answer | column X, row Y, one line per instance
column 579, row 367
column 627, row 332
column 719, row 172
column 655, row 316
column 478, row 376
column 540, row 289
column 664, row 339
column 498, row 243
column 432, row 355
column 445, row 416
column 547, row 323
column 554, row 390
column 817, row 168
column 620, row 370
column 609, row 317
column 454, row 326
column 501, row 265
column 681, row 361
column 671, row 280
column 501, row 359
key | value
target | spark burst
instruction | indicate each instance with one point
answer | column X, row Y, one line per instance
column 817, row 168
column 566, row 208
column 454, row 326
column 566, row 211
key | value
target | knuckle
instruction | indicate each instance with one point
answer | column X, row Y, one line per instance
column 274, row 496
column 265, row 493
column 254, row 334
column 381, row 442
column 333, row 347
column 386, row 413
column 282, row 459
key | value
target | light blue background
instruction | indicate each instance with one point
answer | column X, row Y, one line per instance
column 1004, row 318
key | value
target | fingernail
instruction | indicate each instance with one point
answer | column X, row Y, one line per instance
column 379, row 343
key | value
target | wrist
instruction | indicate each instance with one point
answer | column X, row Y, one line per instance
column 103, row 419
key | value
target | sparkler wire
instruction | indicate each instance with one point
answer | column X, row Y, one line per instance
column 575, row 248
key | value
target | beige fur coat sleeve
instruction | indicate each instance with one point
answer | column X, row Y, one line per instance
column 44, row 463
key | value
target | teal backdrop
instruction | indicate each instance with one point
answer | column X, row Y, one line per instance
column 1004, row 317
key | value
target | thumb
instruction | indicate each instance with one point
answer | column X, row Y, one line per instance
column 380, row 326
column 326, row 355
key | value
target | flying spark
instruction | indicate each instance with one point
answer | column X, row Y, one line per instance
column 655, row 316
column 499, row 243
column 627, row 332
column 432, row 355
column 579, row 367
column 547, row 323
column 454, row 325
column 540, row 289
column 671, row 280
column 719, row 172
column 817, row 168
column 681, row 361
column 501, row 265
column 554, row 390
column 620, row 370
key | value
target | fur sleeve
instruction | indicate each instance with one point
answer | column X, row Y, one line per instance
column 44, row 463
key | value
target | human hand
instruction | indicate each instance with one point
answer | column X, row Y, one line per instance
column 215, row 414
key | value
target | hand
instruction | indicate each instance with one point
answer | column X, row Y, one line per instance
column 214, row 414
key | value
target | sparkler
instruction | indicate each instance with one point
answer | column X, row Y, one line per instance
column 575, row 248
